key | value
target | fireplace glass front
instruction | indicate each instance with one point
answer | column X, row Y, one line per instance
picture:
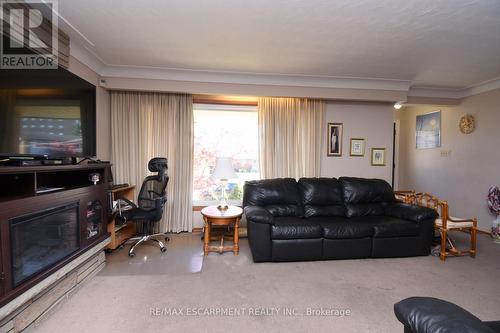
column 42, row 239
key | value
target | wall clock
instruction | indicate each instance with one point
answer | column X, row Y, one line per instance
column 467, row 124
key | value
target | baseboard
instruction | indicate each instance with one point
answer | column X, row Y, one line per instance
column 199, row 229
column 483, row 232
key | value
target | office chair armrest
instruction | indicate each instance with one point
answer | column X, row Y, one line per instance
column 154, row 192
column 160, row 201
column 156, row 200
column 127, row 201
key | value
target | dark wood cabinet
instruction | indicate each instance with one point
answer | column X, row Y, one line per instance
column 28, row 191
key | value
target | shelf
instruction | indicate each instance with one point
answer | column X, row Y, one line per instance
column 120, row 227
column 51, row 168
column 16, row 186
column 122, row 189
column 121, row 232
column 39, row 191
column 23, row 182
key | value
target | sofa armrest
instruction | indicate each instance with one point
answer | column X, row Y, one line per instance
column 428, row 315
column 258, row 214
column 411, row 212
column 259, row 223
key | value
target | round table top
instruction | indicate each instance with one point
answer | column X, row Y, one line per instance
column 212, row 211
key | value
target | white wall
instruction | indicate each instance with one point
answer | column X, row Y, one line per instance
column 464, row 177
column 371, row 121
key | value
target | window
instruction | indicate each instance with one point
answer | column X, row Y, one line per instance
column 224, row 131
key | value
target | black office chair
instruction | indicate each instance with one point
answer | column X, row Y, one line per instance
column 150, row 205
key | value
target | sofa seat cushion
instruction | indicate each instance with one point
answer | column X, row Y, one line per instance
column 385, row 226
column 295, row 228
column 342, row 228
column 347, row 230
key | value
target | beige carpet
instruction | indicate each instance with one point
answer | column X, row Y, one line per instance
column 269, row 297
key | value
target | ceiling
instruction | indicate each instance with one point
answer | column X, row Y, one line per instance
column 453, row 44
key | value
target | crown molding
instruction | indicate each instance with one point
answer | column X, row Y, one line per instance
column 457, row 93
column 310, row 81
column 482, row 87
column 87, row 57
column 98, row 65
column 435, row 92
column 231, row 89
column 103, row 69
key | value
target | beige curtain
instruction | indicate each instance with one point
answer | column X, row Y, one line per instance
column 290, row 137
column 147, row 125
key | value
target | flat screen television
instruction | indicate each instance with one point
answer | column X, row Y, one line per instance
column 49, row 112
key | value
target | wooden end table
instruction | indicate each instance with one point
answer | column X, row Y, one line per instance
column 215, row 217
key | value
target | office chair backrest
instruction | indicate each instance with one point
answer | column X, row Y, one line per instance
column 153, row 187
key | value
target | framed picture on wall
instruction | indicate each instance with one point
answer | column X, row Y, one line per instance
column 428, row 130
column 334, row 139
column 357, row 147
column 378, row 156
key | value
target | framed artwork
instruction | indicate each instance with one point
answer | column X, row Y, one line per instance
column 334, row 139
column 378, row 156
column 357, row 147
column 428, row 130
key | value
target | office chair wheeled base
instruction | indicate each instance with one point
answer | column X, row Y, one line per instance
column 142, row 239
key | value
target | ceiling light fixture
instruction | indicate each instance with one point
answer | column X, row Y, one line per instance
column 398, row 105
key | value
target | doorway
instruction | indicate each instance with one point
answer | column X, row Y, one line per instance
column 395, row 155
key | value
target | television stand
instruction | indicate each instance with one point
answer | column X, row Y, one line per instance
column 71, row 212
column 34, row 160
column 20, row 162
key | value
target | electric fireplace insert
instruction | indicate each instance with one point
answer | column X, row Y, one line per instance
column 42, row 239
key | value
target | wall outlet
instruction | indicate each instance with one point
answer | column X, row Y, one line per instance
column 445, row 153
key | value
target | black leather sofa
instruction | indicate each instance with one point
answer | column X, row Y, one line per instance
column 432, row 315
column 328, row 218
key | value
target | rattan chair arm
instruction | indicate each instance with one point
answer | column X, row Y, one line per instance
column 461, row 220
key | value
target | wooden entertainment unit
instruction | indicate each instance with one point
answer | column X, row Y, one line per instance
column 49, row 215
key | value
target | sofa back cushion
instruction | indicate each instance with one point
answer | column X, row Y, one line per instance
column 364, row 197
column 321, row 197
column 280, row 196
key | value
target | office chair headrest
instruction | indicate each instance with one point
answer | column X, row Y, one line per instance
column 158, row 164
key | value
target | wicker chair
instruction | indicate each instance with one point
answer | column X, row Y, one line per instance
column 445, row 223
column 406, row 196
